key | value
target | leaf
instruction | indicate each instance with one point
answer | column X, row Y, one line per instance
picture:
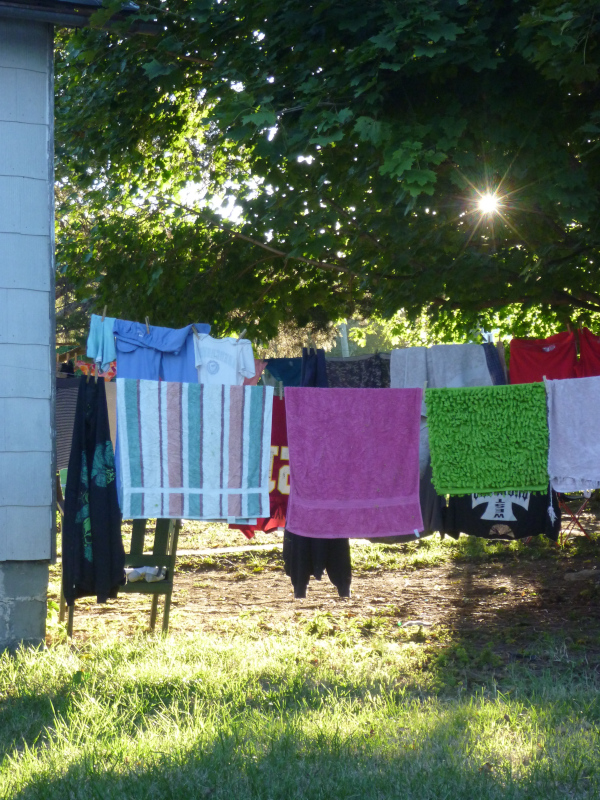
column 368, row 130
column 384, row 41
column 154, row 69
column 345, row 115
column 337, row 136
column 393, row 67
column 103, row 15
column 261, row 119
column 443, row 30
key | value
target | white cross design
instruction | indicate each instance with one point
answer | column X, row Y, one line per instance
column 499, row 506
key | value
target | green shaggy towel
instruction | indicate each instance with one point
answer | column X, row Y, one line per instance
column 488, row 439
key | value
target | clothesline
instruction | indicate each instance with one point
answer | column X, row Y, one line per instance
column 197, row 440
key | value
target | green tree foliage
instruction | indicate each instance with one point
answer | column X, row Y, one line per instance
column 356, row 139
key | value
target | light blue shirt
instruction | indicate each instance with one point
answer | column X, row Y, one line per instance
column 101, row 341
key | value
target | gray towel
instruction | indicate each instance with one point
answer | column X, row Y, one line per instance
column 441, row 366
column 457, row 365
column 408, row 368
column 574, row 426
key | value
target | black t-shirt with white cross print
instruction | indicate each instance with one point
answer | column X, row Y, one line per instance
column 506, row 515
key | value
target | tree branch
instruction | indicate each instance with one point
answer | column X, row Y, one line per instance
column 237, row 235
column 577, row 302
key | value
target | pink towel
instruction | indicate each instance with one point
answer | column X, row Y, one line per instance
column 354, row 462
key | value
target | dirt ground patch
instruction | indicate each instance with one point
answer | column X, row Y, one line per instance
column 523, row 591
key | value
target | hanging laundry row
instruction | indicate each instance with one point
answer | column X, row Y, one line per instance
column 198, row 440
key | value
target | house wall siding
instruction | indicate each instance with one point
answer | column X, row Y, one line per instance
column 26, row 295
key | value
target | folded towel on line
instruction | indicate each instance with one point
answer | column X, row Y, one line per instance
column 574, row 423
column 487, row 440
column 354, row 462
column 194, row 451
column 442, row 366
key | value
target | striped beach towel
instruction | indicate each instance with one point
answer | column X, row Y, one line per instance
column 194, row 451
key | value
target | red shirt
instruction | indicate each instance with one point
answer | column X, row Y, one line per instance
column 589, row 354
column 279, row 479
column 533, row 359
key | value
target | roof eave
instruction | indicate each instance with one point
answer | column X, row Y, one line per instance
column 62, row 19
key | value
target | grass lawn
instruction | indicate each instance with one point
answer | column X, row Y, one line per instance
column 476, row 682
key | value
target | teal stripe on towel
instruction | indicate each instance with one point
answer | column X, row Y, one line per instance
column 255, row 394
column 133, row 433
column 193, row 411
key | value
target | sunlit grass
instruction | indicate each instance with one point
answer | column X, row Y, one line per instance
column 323, row 713
column 342, row 702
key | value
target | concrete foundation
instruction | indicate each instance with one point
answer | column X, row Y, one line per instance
column 23, row 588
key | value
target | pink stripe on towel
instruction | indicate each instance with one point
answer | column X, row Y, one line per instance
column 354, row 462
column 174, row 412
column 236, row 428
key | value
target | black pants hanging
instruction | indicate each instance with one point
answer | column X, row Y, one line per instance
column 93, row 556
column 304, row 556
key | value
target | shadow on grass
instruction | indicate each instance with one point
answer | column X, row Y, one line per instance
column 412, row 752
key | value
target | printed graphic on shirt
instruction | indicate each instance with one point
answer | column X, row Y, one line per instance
column 500, row 506
column 280, row 472
column 213, row 355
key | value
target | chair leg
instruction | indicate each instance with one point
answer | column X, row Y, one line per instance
column 153, row 612
column 166, row 613
column 70, row 621
column 173, row 540
column 60, row 500
column 573, row 522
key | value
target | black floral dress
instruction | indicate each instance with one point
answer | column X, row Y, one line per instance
column 93, row 556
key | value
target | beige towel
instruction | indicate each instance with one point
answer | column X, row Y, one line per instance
column 111, row 402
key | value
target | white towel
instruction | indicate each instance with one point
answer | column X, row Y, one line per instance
column 194, row 451
column 574, row 424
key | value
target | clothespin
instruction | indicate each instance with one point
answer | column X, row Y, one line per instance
column 195, row 331
column 242, row 334
column 148, row 324
column 104, row 313
column 280, row 389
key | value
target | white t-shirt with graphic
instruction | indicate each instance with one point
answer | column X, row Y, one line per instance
column 223, row 361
